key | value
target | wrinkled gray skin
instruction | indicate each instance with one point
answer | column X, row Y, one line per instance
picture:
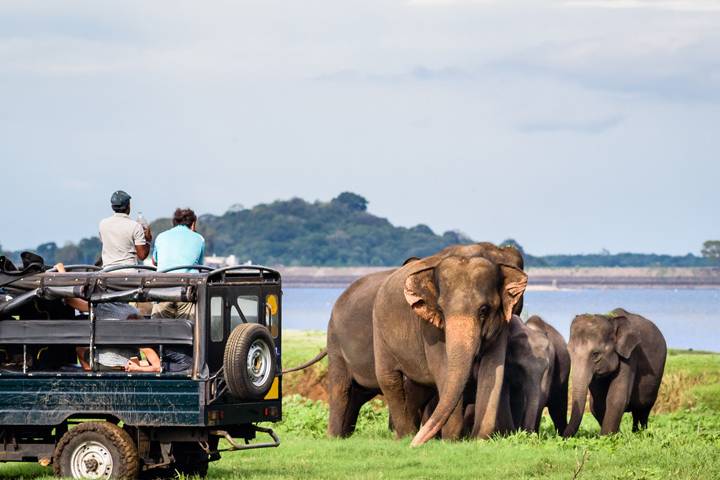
column 351, row 362
column 528, row 375
column 529, row 371
column 620, row 359
column 431, row 319
column 557, row 402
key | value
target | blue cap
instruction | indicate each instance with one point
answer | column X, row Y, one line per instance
column 120, row 199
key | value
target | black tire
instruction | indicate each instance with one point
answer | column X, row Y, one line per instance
column 93, row 441
column 190, row 459
column 243, row 339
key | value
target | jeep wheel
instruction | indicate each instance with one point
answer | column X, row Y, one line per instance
column 190, row 459
column 249, row 361
column 96, row 450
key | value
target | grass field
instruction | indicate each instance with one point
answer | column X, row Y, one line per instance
column 682, row 441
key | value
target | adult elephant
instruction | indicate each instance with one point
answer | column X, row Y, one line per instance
column 431, row 319
column 620, row 359
column 351, row 362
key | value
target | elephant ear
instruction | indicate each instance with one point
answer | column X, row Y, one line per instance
column 514, row 284
column 626, row 339
column 421, row 294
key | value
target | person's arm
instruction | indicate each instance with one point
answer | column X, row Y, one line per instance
column 201, row 260
column 143, row 239
column 77, row 303
column 142, row 251
column 154, row 254
column 152, row 359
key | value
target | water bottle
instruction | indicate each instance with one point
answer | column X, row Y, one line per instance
column 142, row 221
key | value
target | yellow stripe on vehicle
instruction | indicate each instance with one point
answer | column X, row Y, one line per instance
column 274, row 390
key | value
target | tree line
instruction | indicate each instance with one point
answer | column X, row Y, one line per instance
column 342, row 232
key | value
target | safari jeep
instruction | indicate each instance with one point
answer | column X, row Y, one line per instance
column 94, row 422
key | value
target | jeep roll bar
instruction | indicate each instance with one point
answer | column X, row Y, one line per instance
column 78, row 268
column 222, row 271
column 187, row 267
column 115, row 268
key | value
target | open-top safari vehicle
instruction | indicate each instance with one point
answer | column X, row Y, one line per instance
column 98, row 423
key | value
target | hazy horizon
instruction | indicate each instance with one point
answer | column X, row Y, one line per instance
column 571, row 126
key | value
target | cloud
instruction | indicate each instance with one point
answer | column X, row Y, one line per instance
column 449, row 3
column 591, row 126
column 676, row 5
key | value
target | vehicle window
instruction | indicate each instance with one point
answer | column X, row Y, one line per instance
column 216, row 319
column 272, row 310
column 247, row 308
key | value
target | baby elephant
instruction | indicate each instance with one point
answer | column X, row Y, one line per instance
column 557, row 402
column 537, row 366
column 620, row 358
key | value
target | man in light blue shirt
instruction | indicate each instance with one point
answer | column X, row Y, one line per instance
column 181, row 245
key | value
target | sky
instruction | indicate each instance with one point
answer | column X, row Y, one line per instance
column 571, row 125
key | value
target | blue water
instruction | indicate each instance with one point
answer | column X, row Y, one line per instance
column 687, row 318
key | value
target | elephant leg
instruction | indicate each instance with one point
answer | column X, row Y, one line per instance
column 617, row 400
column 558, row 405
column 454, row 426
column 598, row 396
column 359, row 396
column 417, row 397
column 468, row 419
column 505, row 423
column 640, row 418
column 532, row 408
column 339, row 398
column 392, row 386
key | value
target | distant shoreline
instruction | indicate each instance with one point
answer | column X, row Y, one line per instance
column 539, row 278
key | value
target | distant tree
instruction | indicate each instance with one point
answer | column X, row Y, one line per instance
column 511, row 242
column 352, row 201
column 711, row 250
column 48, row 251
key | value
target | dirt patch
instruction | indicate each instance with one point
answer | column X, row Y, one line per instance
column 310, row 383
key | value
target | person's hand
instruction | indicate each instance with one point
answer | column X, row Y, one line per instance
column 131, row 366
column 60, row 267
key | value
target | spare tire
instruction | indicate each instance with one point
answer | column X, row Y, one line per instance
column 249, row 361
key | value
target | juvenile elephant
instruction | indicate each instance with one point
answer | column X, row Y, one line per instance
column 529, row 370
column 620, row 359
column 431, row 319
column 557, row 402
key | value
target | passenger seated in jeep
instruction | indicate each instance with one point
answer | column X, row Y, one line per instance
column 103, row 311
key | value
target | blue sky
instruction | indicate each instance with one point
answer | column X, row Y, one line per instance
column 571, row 126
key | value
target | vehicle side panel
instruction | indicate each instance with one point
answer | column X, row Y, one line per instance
column 134, row 400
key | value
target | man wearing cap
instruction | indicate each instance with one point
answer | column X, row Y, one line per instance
column 124, row 241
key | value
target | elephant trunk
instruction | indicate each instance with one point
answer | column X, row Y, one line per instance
column 581, row 377
column 462, row 339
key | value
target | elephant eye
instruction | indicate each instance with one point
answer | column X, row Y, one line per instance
column 483, row 310
column 596, row 355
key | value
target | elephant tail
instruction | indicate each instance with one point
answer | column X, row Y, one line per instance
column 317, row 358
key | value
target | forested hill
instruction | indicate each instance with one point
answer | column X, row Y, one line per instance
column 295, row 232
column 341, row 232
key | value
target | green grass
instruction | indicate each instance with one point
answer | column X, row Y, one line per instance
column 681, row 444
column 300, row 346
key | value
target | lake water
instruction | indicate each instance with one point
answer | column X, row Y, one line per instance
column 689, row 318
